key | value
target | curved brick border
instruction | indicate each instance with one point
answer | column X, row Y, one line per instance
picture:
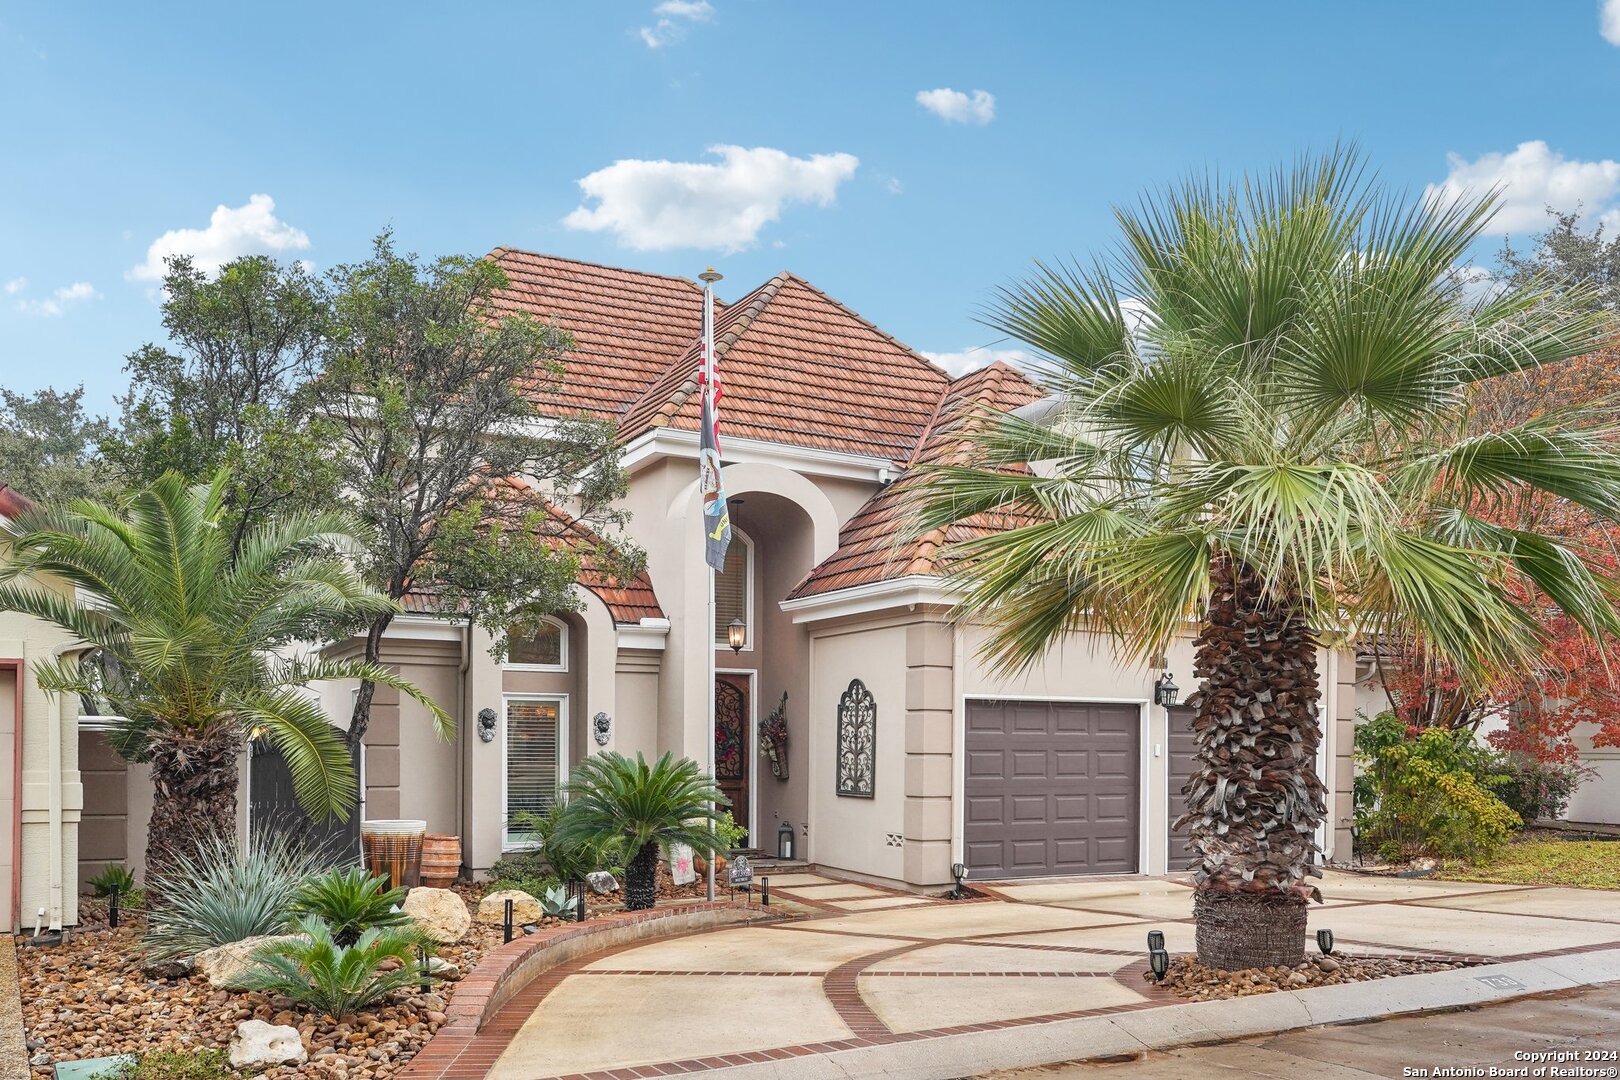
column 507, row 970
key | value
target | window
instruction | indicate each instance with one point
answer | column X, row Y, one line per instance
column 546, row 649
column 535, row 734
column 734, row 589
column 857, row 741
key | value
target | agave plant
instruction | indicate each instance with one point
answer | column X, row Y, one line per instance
column 351, row 901
column 312, row 969
column 611, row 797
column 557, row 903
column 1273, row 442
column 221, row 890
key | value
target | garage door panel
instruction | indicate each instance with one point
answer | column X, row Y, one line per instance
column 1062, row 797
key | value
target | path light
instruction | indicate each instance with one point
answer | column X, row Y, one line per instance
column 506, row 923
column 1155, row 940
column 1165, row 691
column 1159, row 961
column 1324, row 941
column 736, row 634
column 959, row 872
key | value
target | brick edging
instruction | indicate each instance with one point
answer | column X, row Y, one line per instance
column 507, row 969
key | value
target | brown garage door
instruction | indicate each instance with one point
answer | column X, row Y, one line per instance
column 1183, row 760
column 1051, row 788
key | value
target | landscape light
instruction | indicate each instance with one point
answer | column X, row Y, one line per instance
column 1159, row 961
column 1324, row 941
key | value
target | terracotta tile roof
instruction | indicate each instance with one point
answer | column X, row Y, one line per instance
column 800, row 368
column 13, row 502
column 627, row 325
column 872, row 545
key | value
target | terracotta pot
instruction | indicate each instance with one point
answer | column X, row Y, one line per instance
column 441, row 860
column 701, row 865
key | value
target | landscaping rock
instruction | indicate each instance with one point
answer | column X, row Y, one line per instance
column 441, row 913
column 258, row 1045
column 601, row 882
column 444, row 969
column 525, row 908
column 226, row 965
column 178, row 968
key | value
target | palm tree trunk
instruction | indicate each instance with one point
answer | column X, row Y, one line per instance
column 1255, row 802
column 196, row 782
column 641, row 879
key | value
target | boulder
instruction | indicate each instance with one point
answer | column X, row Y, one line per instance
column 257, row 1044
column 525, row 908
column 444, row 969
column 441, row 913
column 225, row 965
column 601, row 882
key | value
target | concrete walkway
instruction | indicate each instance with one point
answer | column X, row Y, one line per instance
column 1578, row 1022
column 872, row 969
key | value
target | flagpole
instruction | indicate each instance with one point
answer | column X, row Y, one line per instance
column 709, row 277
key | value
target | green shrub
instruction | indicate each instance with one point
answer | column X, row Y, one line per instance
column 1538, row 791
column 350, row 902
column 1432, row 795
column 568, row 858
column 117, row 876
column 223, row 891
column 728, row 835
column 319, row 973
column 176, row 1065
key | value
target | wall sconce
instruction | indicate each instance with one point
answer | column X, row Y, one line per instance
column 736, row 634
column 1165, row 691
column 486, row 724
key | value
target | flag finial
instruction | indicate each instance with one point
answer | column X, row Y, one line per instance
column 711, row 275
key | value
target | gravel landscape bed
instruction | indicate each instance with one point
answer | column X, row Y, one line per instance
column 89, row 998
column 1189, row 979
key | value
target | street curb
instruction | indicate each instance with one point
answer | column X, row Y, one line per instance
column 1191, row 1024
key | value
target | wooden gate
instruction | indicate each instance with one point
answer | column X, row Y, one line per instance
column 273, row 805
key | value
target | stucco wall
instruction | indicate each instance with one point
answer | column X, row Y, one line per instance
column 864, row 836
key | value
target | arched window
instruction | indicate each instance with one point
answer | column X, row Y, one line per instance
column 544, row 650
column 734, row 589
column 857, row 741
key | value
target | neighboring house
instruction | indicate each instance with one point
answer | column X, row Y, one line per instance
column 40, row 791
column 905, row 751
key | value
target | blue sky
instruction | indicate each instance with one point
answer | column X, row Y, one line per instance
column 468, row 126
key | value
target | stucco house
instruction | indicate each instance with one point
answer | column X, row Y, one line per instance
column 905, row 752
column 41, row 794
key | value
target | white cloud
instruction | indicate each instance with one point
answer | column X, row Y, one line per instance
column 893, row 186
column 16, row 285
column 58, row 302
column 249, row 229
column 1532, row 177
column 953, row 106
column 1609, row 21
column 660, row 205
column 960, row 363
column 674, row 19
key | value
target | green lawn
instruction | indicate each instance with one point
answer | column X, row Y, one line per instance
column 1588, row 864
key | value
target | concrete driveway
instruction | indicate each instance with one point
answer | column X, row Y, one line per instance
column 871, row 966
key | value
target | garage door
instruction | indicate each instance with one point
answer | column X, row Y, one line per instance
column 1051, row 788
column 1182, row 762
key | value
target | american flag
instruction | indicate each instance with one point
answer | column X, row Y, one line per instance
column 716, row 517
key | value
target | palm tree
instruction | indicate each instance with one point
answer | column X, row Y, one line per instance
column 182, row 643
column 1260, row 427
column 611, row 797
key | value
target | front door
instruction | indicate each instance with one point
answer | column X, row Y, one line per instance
column 732, row 736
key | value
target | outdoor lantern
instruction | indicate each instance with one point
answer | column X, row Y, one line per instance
column 784, row 840
column 736, row 634
column 1324, row 941
column 1159, row 962
column 1155, row 941
column 959, row 872
column 1165, row 691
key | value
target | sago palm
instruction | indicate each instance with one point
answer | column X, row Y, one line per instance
column 184, row 643
column 646, row 806
column 1260, row 432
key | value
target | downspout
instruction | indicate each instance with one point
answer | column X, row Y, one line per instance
column 462, row 722
column 55, row 814
column 17, row 668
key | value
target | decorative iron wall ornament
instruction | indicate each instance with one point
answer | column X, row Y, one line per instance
column 486, row 724
column 857, row 741
column 773, row 740
column 601, row 728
